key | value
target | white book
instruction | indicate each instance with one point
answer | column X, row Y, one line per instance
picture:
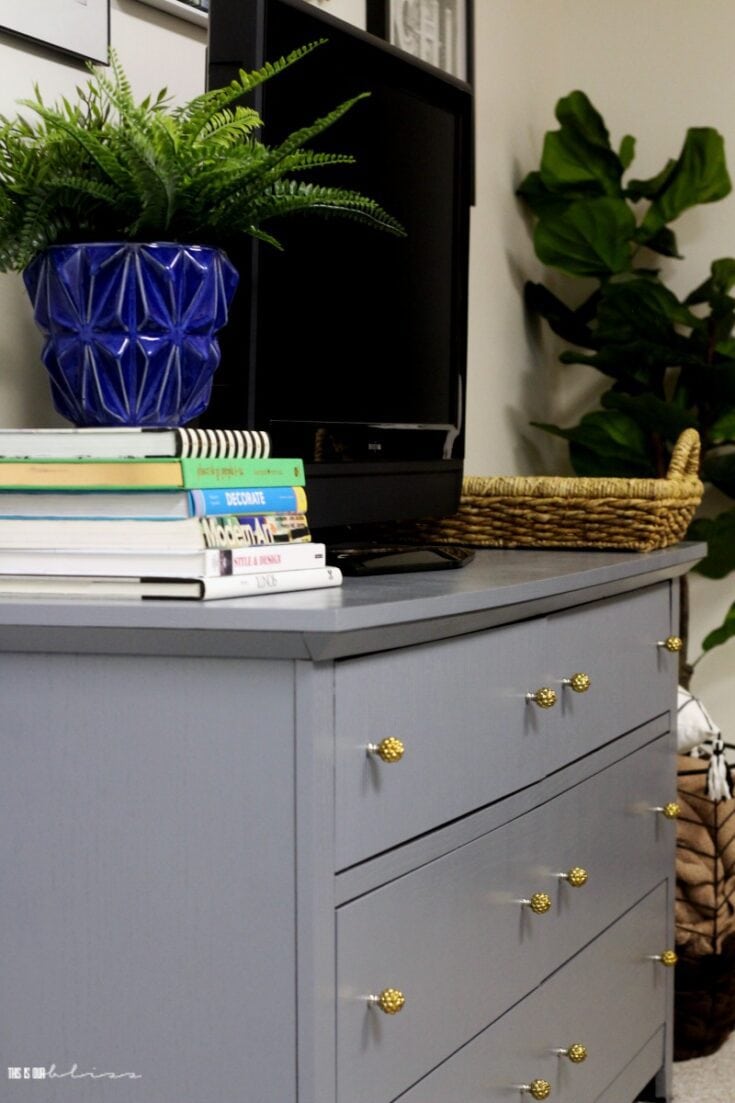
column 160, row 563
column 186, row 534
column 183, row 588
column 133, row 443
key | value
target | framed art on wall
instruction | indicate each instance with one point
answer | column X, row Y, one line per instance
column 80, row 27
column 194, row 11
column 436, row 31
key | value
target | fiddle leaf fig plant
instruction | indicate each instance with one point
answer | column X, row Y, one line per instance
column 670, row 362
column 107, row 167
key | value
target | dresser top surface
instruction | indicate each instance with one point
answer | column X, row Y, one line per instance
column 496, row 586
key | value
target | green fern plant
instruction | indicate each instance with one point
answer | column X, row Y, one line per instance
column 109, row 168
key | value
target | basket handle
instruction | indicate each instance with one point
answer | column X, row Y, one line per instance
column 685, row 456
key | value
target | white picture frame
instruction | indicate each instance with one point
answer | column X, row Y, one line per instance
column 193, row 11
column 79, row 27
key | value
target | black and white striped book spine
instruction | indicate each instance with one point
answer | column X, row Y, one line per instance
column 224, row 443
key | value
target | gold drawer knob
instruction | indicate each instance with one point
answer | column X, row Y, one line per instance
column 390, row 1001
column 539, row 903
column 537, row 1089
column 545, row 697
column 670, row 811
column 576, row 877
column 667, row 958
column 672, row 643
column 579, row 682
column 576, row 1052
column 389, row 749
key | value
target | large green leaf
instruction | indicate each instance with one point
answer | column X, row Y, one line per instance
column 637, row 334
column 567, row 323
column 543, row 201
column 664, row 242
column 590, row 238
column 579, row 154
column 648, row 189
column 638, row 365
column 699, row 176
column 606, row 443
column 723, row 430
column 576, row 112
column 654, row 415
column 643, row 309
column 720, row 471
column 722, row 634
column 720, row 282
column 626, row 153
column 719, row 535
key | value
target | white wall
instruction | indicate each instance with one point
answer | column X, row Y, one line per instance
column 652, row 68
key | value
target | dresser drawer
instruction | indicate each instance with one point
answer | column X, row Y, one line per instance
column 610, row 998
column 461, row 916
column 616, row 643
column 470, row 735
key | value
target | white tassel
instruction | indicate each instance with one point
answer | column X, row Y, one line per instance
column 698, row 735
column 718, row 786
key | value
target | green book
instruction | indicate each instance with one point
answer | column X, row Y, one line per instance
column 188, row 473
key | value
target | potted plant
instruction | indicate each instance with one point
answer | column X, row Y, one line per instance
column 670, row 362
column 116, row 212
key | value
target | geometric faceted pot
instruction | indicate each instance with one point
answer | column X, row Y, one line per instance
column 130, row 328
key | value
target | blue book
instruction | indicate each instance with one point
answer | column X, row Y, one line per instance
column 255, row 499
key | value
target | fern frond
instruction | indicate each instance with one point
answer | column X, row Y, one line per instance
column 195, row 115
column 106, row 167
column 227, row 127
column 92, row 143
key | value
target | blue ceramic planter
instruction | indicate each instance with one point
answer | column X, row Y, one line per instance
column 130, row 329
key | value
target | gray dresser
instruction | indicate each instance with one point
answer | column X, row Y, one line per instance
column 401, row 840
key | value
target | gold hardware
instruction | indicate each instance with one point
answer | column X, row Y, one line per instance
column 539, row 903
column 576, row 1053
column 576, row 877
column 390, row 1001
column 544, row 697
column 579, row 682
column 537, row 1089
column 672, row 643
column 389, row 749
column 670, row 811
column 668, row 958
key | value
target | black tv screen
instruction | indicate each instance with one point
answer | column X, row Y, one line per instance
column 350, row 345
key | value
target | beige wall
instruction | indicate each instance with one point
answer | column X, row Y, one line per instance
column 652, row 67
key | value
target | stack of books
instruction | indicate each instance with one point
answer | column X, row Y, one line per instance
column 153, row 513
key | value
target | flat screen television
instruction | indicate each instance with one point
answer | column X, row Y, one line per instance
column 350, row 345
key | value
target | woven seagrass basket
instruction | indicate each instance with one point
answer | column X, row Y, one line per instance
column 539, row 511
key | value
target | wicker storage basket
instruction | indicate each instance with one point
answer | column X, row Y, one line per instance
column 556, row 512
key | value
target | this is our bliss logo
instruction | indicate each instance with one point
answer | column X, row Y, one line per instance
column 40, row 1072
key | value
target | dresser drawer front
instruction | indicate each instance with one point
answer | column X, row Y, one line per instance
column 470, row 735
column 460, row 917
column 616, row 643
column 609, row 998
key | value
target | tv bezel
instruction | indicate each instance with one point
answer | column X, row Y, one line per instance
column 346, row 498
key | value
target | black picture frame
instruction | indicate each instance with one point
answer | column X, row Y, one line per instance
column 439, row 32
